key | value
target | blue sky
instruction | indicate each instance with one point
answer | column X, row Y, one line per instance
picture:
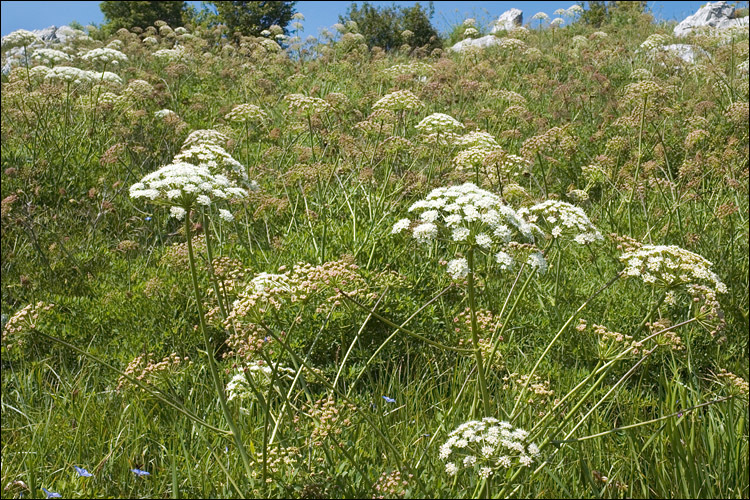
column 36, row 15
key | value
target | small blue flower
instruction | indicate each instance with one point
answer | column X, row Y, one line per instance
column 51, row 494
column 139, row 472
column 147, row 219
column 389, row 400
column 82, row 472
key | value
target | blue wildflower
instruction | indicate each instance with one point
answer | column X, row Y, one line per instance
column 147, row 219
column 389, row 400
column 82, row 472
column 139, row 472
column 51, row 494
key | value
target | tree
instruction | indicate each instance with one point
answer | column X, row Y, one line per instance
column 384, row 26
column 617, row 13
column 141, row 14
column 250, row 18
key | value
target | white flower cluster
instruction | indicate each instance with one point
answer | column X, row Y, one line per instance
column 471, row 32
column 260, row 373
column 180, row 185
column 540, row 16
column 641, row 74
column 512, row 44
column 139, row 89
column 245, row 113
column 477, row 138
column 307, row 105
column 574, row 9
column 105, row 55
column 150, row 40
column 398, row 101
column 653, row 42
column 50, row 56
column 562, row 218
column 38, row 72
column 472, row 157
column 164, row 113
column 19, row 38
column 473, row 217
column 108, row 77
column 205, row 136
column 437, row 123
column 213, row 157
column 486, row 446
column 413, row 68
column 170, row 54
column 669, row 266
column 69, row 74
column 557, row 22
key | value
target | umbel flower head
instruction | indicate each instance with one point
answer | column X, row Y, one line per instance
column 50, row 56
column 213, row 157
column 669, row 266
column 477, row 138
column 470, row 216
column 19, row 38
column 562, row 219
column 69, row 74
column 306, row 105
column 181, row 185
column 398, row 101
column 246, row 113
column 437, row 123
column 105, row 55
column 412, row 68
column 205, row 136
column 486, row 446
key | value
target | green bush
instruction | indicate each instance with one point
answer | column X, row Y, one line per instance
column 388, row 27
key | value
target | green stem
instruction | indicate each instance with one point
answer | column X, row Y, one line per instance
column 475, row 336
column 637, row 166
column 210, row 352
column 554, row 339
column 134, row 381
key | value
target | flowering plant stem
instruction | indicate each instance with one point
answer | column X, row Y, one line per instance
column 210, row 352
column 554, row 339
column 637, row 166
column 135, row 381
column 475, row 335
column 602, row 371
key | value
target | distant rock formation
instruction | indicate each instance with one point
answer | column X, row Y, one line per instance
column 717, row 15
column 687, row 53
column 509, row 20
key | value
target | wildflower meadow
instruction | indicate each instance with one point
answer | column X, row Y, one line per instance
column 277, row 266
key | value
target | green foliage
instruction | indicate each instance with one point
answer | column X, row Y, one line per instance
column 618, row 13
column 670, row 169
column 141, row 14
column 385, row 27
column 250, row 18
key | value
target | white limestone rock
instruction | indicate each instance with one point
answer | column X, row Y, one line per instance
column 509, row 20
column 687, row 53
column 718, row 15
column 480, row 43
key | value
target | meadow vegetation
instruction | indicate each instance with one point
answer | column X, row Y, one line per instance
column 240, row 266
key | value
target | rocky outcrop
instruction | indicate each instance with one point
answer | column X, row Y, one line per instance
column 509, row 20
column 687, row 53
column 481, row 43
column 718, row 15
